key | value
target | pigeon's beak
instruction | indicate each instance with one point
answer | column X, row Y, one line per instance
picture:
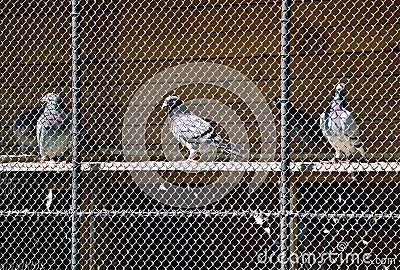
column 340, row 94
column 340, row 91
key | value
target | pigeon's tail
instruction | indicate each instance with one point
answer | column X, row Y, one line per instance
column 359, row 147
column 230, row 148
column 359, row 156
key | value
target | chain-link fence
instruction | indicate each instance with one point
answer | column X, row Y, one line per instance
column 199, row 134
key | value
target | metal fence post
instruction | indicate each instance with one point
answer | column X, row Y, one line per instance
column 76, row 117
column 285, row 147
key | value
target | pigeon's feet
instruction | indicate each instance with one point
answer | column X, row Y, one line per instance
column 193, row 158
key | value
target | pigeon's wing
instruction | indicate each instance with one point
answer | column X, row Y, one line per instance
column 53, row 133
column 333, row 124
column 323, row 122
column 192, row 131
column 343, row 124
column 51, row 120
column 351, row 129
column 190, row 128
column 40, row 130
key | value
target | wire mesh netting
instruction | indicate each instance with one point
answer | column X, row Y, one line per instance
column 166, row 135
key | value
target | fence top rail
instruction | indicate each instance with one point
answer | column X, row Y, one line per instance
column 261, row 215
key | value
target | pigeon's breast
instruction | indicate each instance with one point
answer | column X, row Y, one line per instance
column 175, row 118
column 51, row 118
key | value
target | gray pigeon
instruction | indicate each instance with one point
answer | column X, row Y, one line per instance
column 340, row 128
column 301, row 124
column 53, row 129
column 192, row 130
column 24, row 129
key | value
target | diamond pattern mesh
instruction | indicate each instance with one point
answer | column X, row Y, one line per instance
column 180, row 164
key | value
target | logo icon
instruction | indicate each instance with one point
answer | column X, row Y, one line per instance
column 144, row 126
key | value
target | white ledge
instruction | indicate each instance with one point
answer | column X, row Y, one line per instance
column 201, row 166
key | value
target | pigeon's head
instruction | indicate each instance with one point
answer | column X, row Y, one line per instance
column 340, row 91
column 171, row 103
column 51, row 99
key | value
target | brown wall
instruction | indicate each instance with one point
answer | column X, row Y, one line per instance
column 124, row 44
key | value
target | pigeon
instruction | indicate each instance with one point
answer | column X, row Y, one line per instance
column 191, row 130
column 340, row 128
column 24, row 129
column 53, row 129
column 301, row 124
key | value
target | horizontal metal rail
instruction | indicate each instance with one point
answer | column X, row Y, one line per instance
column 205, row 213
column 201, row 166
